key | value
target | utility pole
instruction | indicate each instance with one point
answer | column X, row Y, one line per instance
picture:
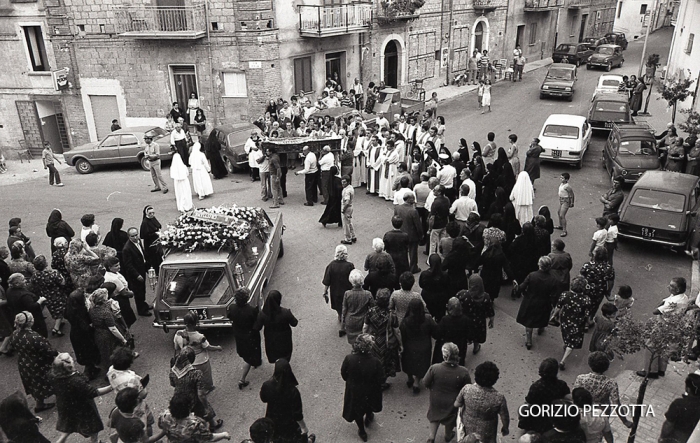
column 646, row 39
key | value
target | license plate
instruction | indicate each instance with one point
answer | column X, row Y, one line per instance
column 648, row 233
column 201, row 313
column 608, row 124
column 556, row 153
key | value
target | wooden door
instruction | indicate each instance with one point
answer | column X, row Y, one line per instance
column 184, row 84
column 391, row 65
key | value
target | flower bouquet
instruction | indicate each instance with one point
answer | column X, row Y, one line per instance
column 218, row 227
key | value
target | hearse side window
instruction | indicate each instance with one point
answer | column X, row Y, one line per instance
column 196, row 286
column 248, row 257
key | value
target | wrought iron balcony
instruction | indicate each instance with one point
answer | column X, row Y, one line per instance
column 326, row 21
column 486, row 5
column 578, row 4
column 156, row 22
column 542, row 5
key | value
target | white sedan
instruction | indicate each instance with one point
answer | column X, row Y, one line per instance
column 609, row 83
column 565, row 138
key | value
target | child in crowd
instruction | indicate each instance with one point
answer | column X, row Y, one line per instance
column 600, row 235
column 480, row 92
column 611, row 239
column 128, row 426
column 604, row 324
column 624, row 300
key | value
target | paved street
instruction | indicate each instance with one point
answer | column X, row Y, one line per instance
column 318, row 351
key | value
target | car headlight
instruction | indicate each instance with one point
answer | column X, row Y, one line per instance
column 545, row 87
column 567, row 89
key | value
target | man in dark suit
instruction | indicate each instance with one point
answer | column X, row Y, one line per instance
column 134, row 269
column 411, row 226
column 397, row 244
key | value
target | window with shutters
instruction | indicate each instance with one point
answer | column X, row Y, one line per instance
column 235, row 84
column 689, row 46
column 533, row 33
column 421, row 55
column 302, row 75
column 34, row 40
column 460, row 47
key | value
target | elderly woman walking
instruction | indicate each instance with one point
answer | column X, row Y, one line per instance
column 356, row 303
column 445, row 380
column 18, row 261
column 573, row 308
column 600, row 276
column 81, row 263
column 82, row 334
column 56, row 227
column 75, row 401
column 18, row 423
column 417, row 331
column 383, row 325
column 199, row 343
column 107, row 336
column 19, row 299
column 434, row 284
column 477, row 306
column 336, row 279
column 35, row 356
column 278, row 323
column 188, row 383
column 58, row 263
column 494, row 263
column 244, row 316
column 481, row 405
column 49, row 284
column 544, row 392
column 453, row 328
column 540, row 290
column 363, row 375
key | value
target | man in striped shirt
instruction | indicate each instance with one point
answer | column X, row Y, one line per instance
column 484, row 65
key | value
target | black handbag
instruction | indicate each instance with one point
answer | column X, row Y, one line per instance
column 554, row 319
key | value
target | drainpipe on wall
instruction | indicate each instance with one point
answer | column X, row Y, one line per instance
column 449, row 41
column 211, row 62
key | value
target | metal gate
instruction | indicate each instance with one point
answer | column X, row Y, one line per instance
column 104, row 110
column 184, row 83
column 31, row 126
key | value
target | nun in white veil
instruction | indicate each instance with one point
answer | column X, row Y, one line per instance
column 522, row 196
column 180, row 174
column 200, row 172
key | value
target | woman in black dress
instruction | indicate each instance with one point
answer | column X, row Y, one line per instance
column 19, row 423
column 150, row 231
column 504, row 171
column 453, row 328
column 212, row 149
column 511, row 225
column 477, row 306
column 540, row 291
column 494, row 263
column 549, row 223
column 337, row 280
column 82, row 334
column 75, row 400
column 544, row 238
column 455, row 264
column 116, row 237
column 56, row 227
column 243, row 316
column 332, row 212
column 499, row 204
column 434, row 285
column 19, row 299
column 544, row 392
column 523, row 253
column 380, row 276
column 278, row 323
column 417, row 331
column 363, row 375
column 284, row 406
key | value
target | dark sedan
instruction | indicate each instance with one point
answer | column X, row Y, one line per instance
column 607, row 57
column 575, row 53
column 594, row 42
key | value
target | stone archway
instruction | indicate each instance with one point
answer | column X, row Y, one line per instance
column 480, row 35
column 393, row 63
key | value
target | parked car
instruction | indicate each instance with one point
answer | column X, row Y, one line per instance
column 606, row 56
column 203, row 282
column 609, row 83
column 565, row 138
column 575, row 53
column 607, row 109
column 122, row 146
column 630, row 151
column 661, row 208
column 617, row 38
column 594, row 42
column 232, row 139
column 559, row 81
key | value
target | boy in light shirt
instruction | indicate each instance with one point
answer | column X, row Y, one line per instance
column 611, row 239
column 599, row 236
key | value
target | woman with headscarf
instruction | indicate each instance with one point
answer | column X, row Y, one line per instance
column 49, row 284
column 363, row 375
column 383, row 325
column 75, row 400
column 17, row 421
column 200, row 172
column 356, row 303
column 505, row 172
column 332, row 212
column 34, row 357
column 188, row 383
column 549, row 223
column 336, row 279
column 434, row 284
column 56, row 227
column 532, row 160
column 494, row 263
column 477, row 306
column 522, row 197
column 19, row 261
column 637, row 96
column 463, row 151
column 150, row 233
column 180, row 175
column 212, row 149
column 488, row 189
column 539, row 291
column 544, row 238
column 278, row 323
column 82, row 334
column 19, row 299
column 81, row 262
column 116, row 237
column 417, row 331
column 498, row 206
column 455, row 263
column 107, row 336
column 58, row 262
column 243, row 316
column 572, row 310
column 523, row 254
column 445, row 380
column 452, row 328
column 284, row 406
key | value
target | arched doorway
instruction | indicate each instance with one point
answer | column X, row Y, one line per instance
column 479, row 36
column 391, row 64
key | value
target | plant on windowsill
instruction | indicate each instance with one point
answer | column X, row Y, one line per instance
column 397, row 9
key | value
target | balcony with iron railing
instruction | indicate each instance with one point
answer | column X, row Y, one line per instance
column 327, row 21
column 156, row 22
column 579, row 4
column 542, row 5
column 485, row 5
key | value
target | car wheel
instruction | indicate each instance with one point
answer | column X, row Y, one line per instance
column 589, row 67
column 621, row 62
column 578, row 63
column 281, row 251
column 608, row 67
column 570, row 98
column 579, row 164
column 229, row 166
column 145, row 164
column 83, row 166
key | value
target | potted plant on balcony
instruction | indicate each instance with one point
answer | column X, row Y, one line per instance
column 394, row 9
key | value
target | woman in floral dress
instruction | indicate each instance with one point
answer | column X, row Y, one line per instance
column 35, row 356
column 382, row 324
column 58, row 263
column 601, row 278
column 179, row 425
column 107, row 336
column 573, row 307
column 477, row 305
column 80, row 262
column 480, row 405
column 48, row 283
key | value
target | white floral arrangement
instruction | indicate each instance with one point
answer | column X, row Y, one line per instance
column 218, row 227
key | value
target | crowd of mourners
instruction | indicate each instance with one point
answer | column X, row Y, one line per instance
column 465, row 215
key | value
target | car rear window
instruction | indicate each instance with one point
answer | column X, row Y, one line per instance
column 611, row 82
column 606, row 106
column 638, row 147
column 566, row 48
column 658, row 200
column 195, row 286
column 604, row 51
column 238, row 138
column 561, row 131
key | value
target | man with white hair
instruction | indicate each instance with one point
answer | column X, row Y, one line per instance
column 325, row 163
column 412, row 226
column 373, row 257
column 310, row 173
